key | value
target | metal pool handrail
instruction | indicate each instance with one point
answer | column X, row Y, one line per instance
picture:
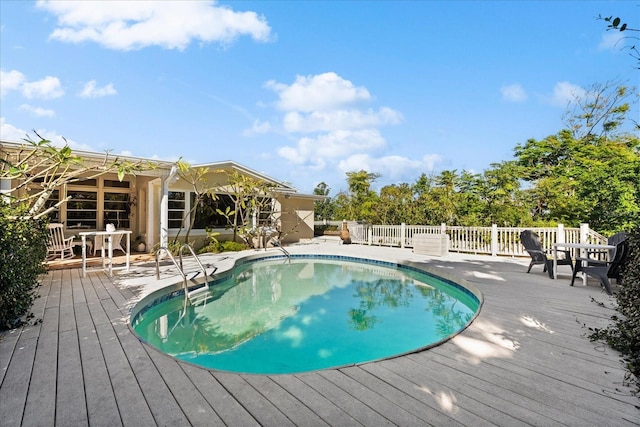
column 202, row 269
column 180, row 267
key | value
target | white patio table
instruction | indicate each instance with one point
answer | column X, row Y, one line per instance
column 107, row 263
column 583, row 249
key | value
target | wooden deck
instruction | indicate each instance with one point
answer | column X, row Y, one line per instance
column 524, row 361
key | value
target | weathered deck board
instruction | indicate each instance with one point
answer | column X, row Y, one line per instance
column 193, row 404
column 455, row 392
column 325, row 409
column 524, row 361
column 429, row 404
column 383, row 406
column 357, row 409
column 260, row 407
column 295, row 410
column 15, row 385
column 229, row 410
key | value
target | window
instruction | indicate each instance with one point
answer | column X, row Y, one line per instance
column 110, row 183
column 117, row 209
column 54, row 197
column 206, row 212
column 54, row 215
column 86, row 182
column 265, row 217
column 82, row 209
column 176, row 208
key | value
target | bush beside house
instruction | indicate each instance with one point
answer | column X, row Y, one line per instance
column 23, row 248
column 623, row 334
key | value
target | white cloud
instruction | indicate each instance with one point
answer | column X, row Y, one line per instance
column 91, row 90
column 513, row 93
column 37, row 111
column 339, row 120
column 340, row 131
column 133, row 25
column 11, row 133
column 322, row 92
column 317, row 151
column 611, row 40
column 564, row 93
column 11, row 80
column 258, row 127
column 47, row 88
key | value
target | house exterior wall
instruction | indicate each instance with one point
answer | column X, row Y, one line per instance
column 293, row 213
column 147, row 194
column 296, row 219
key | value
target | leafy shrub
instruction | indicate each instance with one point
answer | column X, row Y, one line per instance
column 319, row 230
column 23, row 249
column 173, row 247
column 623, row 334
column 230, row 246
column 227, row 246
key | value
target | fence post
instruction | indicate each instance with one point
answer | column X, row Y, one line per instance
column 369, row 234
column 560, row 234
column 403, row 231
column 494, row 239
column 584, row 233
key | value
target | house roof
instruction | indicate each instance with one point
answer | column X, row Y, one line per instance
column 229, row 164
column 163, row 168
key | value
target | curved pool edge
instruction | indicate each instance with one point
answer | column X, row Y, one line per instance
column 174, row 289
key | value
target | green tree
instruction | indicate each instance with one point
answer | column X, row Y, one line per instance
column 590, row 172
column 470, row 204
column 503, row 198
column 323, row 209
column 250, row 196
column 601, row 111
column 35, row 170
column 396, row 205
column 443, row 198
column 38, row 168
column 360, row 201
column 195, row 176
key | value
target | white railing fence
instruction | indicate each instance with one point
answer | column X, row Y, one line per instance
column 492, row 240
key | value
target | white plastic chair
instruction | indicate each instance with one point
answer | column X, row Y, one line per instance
column 101, row 241
column 58, row 244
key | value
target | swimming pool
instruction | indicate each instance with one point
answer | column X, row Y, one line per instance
column 274, row 315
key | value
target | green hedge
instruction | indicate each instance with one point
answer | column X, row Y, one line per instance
column 624, row 332
column 23, row 248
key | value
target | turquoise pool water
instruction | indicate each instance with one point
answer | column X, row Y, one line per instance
column 274, row 316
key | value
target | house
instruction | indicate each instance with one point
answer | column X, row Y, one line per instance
column 156, row 203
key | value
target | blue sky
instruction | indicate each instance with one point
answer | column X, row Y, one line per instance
column 306, row 91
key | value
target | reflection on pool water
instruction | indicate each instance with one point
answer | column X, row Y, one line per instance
column 274, row 316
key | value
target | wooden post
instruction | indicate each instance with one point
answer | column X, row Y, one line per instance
column 494, row 239
column 584, row 233
column 560, row 238
column 403, row 232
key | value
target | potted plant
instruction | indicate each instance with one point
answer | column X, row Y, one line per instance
column 140, row 244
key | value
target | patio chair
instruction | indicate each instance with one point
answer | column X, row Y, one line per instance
column 601, row 255
column 101, row 241
column 58, row 245
column 531, row 242
column 604, row 270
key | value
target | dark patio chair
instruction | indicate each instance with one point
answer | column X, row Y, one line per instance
column 604, row 270
column 602, row 255
column 531, row 242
